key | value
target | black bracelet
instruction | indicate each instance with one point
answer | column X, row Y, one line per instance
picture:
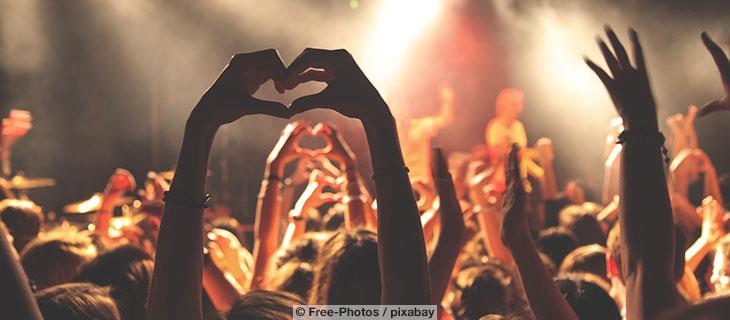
column 187, row 201
column 272, row 177
column 653, row 137
column 403, row 169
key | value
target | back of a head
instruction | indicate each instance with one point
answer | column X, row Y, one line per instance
column 78, row 301
column 347, row 270
column 485, row 289
column 56, row 258
column 587, row 298
column 589, row 259
column 24, row 220
column 556, row 243
column 304, row 249
column 264, row 305
column 295, row 277
column 583, row 224
column 128, row 270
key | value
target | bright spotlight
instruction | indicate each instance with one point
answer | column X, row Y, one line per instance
column 396, row 25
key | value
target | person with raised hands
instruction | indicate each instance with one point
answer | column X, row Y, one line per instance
column 357, row 199
column 311, row 198
column 723, row 66
column 176, row 288
column 684, row 135
column 647, row 237
column 451, row 236
column 266, row 237
column 402, row 252
column 542, row 293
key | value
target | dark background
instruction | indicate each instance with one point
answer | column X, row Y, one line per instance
column 110, row 83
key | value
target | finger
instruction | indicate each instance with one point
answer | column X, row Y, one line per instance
column 309, row 58
column 271, row 108
column 623, row 58
column 714, row 106
column 306, row 103
column 638, row 52
column 605, row 78
column 719, row 56
column 691, row 114
column 609, row 57
column 307, row 76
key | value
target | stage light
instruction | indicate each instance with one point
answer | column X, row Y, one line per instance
column 395, row 27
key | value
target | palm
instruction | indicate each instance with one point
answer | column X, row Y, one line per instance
column 230, row 97
column 627, row 85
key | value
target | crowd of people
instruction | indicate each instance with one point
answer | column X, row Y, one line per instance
column 485, row 234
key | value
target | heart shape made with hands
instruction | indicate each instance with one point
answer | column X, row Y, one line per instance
column 315, row 141
column 284, row 84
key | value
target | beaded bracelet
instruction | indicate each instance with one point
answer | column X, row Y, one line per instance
column 654, row 137
column 187, row 201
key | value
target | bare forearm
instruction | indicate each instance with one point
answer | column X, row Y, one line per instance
column 355, row 200
column 489, row 226
column 449, row 243
column 403, row 263
column 179, row 259
column 18, row 301
column 267, row 224
column 221, row 291
column 549, row 182
column 647, row 232
column 545, row 299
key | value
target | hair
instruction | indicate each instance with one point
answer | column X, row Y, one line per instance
column 588, row 297
column 505, row 98
column 264, row 305
column 128, row 270
column 304, row 249
column 24, row 220
column 295, row 277
column 334, row 219
column 556, row 243
column 582, row 221
column 614, row 248
column 78, row 301
column 489, row 288
column 347, row 270
column 589, row 259
column 57, row 257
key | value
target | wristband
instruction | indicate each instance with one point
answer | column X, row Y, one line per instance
column 187, row 201
column 654, row 137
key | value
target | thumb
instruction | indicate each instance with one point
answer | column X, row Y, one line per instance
column 306, row 103
column 271, row 108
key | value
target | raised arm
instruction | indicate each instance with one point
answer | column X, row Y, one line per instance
column 546, row 300
column 268, row 211
column 403, row 267
column 647, row 229
column 18, row 301
column 451, row 236
column 544, row 147
column 356, row 199
column 723, row 66
column 119, row 183
column 176, row 287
